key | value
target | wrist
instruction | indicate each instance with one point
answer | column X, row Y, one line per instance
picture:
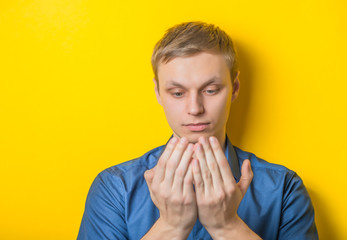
column 163, row 230
column 236, row 229
column 175, row 232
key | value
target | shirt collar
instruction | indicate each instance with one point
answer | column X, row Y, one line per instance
column 232, row 159
column 230, row 155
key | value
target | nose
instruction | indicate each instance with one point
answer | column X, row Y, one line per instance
column 195, row 104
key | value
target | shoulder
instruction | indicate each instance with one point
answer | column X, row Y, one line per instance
column 270, row 174
column 259, row 164
column 128, row 171
column 114, row 183
column 281, row 190
column 108, row 197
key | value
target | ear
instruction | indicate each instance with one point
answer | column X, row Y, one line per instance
column 236, row 87
column 156, row 89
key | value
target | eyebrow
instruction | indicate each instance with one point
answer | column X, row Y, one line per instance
column 208, row 82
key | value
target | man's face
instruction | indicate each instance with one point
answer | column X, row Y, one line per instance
column 196, row 93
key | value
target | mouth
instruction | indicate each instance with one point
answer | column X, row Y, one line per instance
column 196, row 127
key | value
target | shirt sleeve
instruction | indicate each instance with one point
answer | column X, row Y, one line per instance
column 104, row 215
column 297, row 220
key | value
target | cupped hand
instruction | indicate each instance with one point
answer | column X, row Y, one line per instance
column 170, row 184
column 217, row 193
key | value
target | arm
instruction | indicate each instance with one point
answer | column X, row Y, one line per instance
column 171, row 187
column 218, row 195
column 103, row 217
column 297, row 219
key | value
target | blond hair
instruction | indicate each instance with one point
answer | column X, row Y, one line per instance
column 190, row 38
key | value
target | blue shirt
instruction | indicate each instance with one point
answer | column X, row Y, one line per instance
column 275, row 206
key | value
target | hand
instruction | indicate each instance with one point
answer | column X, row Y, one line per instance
column 170, row 184
column 217, row 193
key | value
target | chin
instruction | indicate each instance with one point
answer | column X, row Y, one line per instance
column 194, row 136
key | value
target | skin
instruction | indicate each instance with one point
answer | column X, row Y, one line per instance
column 197, row 89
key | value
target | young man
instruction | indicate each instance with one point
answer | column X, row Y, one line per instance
column 194, row 187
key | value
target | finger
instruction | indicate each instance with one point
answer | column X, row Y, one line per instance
column 182, row 169
column 246, row 176
column 174, row 160
column 212, row 164
column 188, row 190
column 222, row 161
column 161, row 165
column 204, row 170
column 198, row 181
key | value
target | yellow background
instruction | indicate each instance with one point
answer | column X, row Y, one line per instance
column 76, row 97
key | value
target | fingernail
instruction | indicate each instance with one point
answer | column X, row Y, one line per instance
column 198, row 147
column 184, row 140
column 174, row 140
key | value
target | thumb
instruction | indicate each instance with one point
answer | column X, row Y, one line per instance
column 246, row 176
column 149, row 174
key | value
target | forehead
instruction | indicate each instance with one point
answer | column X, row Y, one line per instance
column 194, row 70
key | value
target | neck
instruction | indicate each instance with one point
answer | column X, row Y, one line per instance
column 222, row 141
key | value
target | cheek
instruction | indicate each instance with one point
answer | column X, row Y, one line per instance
column 172, row 109
column 219, row 108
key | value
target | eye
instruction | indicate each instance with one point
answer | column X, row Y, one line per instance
column 211, row 91
column 177, row 94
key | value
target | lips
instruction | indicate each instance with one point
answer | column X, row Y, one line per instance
column 197, row 127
